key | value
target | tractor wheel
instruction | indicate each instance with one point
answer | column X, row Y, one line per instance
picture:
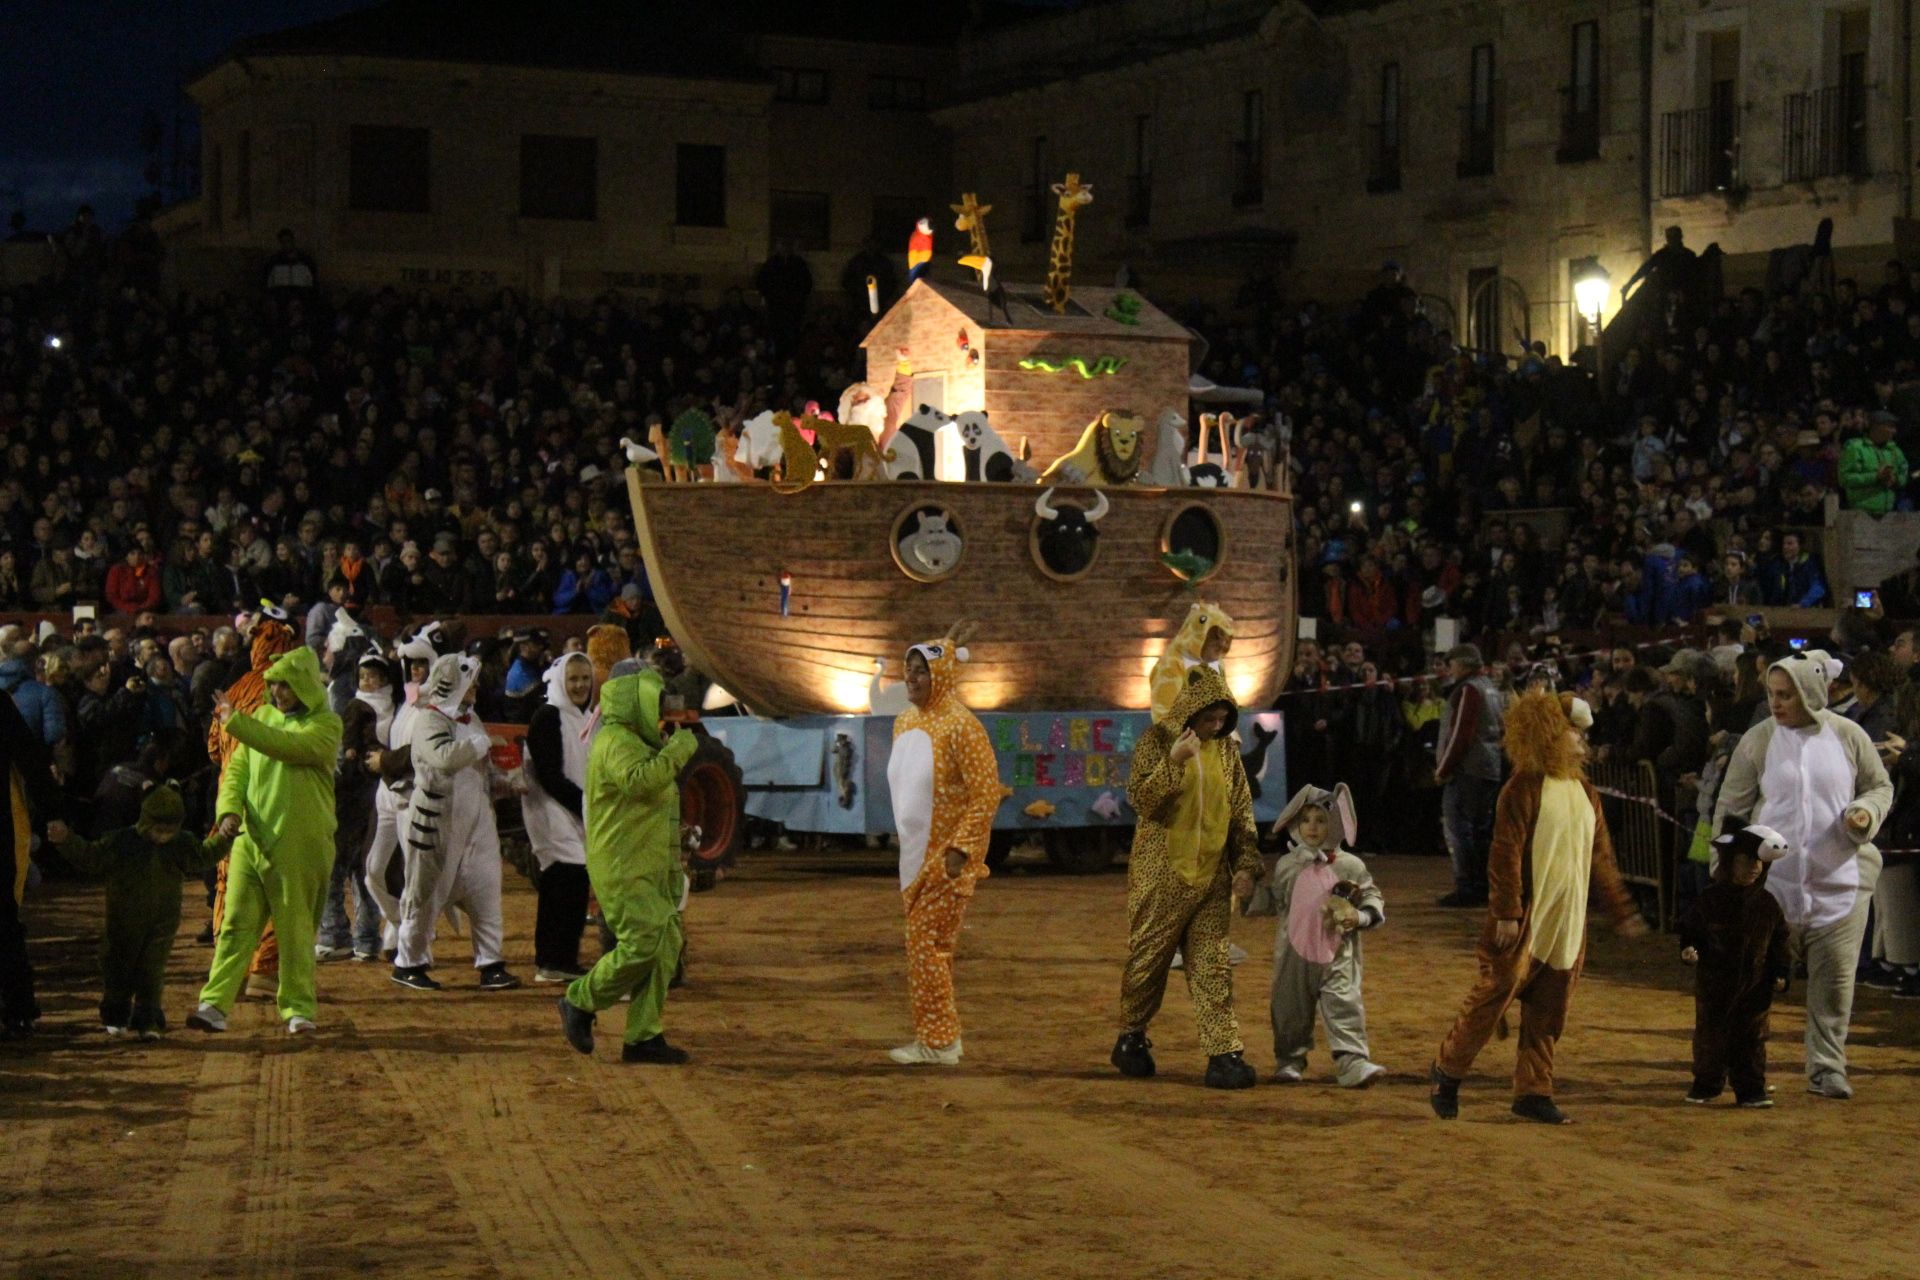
column 1086, row 850
column 1000, row 847
column 714, row 798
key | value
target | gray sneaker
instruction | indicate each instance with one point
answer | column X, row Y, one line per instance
column 1829, row 1084
column 207, row 1018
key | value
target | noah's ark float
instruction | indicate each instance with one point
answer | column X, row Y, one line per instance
column 788, row 591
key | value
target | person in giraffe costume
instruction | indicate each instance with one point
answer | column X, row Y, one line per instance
column 1195, row 850
column 945, row 786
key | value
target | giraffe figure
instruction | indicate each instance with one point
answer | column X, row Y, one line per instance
column 972, row 219
column 1073, row 194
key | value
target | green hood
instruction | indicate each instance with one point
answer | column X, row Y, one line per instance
column 301, row 670
column 634, row 702
column 161, row 809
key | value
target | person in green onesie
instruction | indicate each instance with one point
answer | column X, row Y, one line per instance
column 143, row 865
column 632, row 806
column 276, row 800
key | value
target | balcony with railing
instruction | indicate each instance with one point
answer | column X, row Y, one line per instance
column 1579, row 124
column 1249, row 172
column 1699, row 151
column 1478, row 130
column 1139, row 199
column 1383, row 158
column 1824, row 134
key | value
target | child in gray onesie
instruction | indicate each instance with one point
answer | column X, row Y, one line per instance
column 1324, row 897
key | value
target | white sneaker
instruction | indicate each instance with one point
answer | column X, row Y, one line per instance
column 1361, row 1075
column 1285, row 1075
column 207, row 1018
column 299, row 1026
column 920, row 1054
column 151, row 1034
column 326, row 954
column 116, row 1033
column 1179, row 961
column 1235, row 953
column 555, row 975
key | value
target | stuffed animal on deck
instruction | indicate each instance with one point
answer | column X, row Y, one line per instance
column 1167, row 467
column 913, row 454
column 987, row 455
column 919, row 250
column 1109, row 452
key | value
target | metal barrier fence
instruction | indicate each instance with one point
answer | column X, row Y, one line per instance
column 1643, row 844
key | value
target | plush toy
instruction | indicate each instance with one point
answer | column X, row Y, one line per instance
column 1167, row 465
column 912, row 455
column 1109, row 452
column 690, row 442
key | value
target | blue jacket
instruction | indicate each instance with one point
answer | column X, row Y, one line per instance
column 39, row 706
column 1691, row 594
column 1806, row 583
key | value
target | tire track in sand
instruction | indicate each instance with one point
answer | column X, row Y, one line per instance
column 270, row 1225
column 205, row 1186
column 530, row 1192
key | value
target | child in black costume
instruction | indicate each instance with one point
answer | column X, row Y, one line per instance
column 1737, row 936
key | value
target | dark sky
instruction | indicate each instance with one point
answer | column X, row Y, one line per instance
column 77, row 78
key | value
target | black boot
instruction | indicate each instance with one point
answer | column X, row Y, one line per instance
column 1230, row 1071
column 1539, row 1107
column 578, row 1024
column 1131, row 1054
column 656, row 1051
column 1445, row 1098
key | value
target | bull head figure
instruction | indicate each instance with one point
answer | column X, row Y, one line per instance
column 1069, row 534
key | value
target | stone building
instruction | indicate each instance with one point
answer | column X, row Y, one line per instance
column 1769, row 115
column 1489, row 149
column 565, row 153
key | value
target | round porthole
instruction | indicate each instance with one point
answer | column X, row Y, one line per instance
column 1192, row 544
column 1064, row 538
column 927, row 543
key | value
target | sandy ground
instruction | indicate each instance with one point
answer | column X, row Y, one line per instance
column 456, row 1135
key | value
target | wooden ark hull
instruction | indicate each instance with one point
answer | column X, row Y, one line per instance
column 715, row 553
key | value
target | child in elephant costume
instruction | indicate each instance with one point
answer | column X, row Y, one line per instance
column 1195, row 849
column 276, row 798
column 1325, row 897
column 632, row 803
column 143, row 865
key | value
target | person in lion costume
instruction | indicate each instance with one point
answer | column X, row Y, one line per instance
column 1550, row 845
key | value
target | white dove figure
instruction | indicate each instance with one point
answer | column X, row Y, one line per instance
column 637, row 454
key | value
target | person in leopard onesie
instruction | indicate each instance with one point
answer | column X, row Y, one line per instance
column 1195, row 850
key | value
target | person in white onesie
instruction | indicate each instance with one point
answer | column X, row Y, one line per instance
column 1814, row 777
column 385, row 881
column 453, row 847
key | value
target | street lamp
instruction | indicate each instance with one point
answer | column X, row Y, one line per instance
column 1590, row 286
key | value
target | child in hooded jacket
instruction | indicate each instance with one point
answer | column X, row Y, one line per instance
column 1736, row 936
column 144, row 866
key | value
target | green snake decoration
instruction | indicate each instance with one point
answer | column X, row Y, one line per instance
column 1079, row 364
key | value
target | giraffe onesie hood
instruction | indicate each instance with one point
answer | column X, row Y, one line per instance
column 1183, row 653
column 945, row 786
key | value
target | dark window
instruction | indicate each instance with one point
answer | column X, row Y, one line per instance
column 243, row 176
column 802, row 218
column 1477, row 117
column 1580, row 100
column 559, row 177
column 1140, row 180
column 1250, row 150
column 896, row 93
column 215, row 192
column 387, row 169
column 799, row 84
column 700, row 186
column 1483, row 309
column 1033, row 204
column 1383, row 168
